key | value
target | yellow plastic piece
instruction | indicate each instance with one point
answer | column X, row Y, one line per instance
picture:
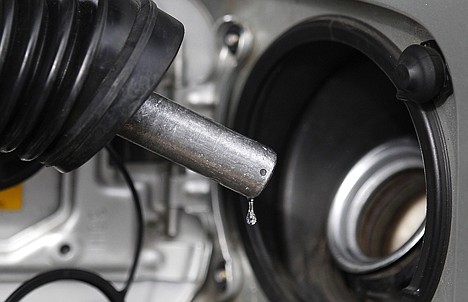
column 11, row 199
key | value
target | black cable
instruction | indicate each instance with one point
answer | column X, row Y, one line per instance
column 92, row 278
column 139, row 215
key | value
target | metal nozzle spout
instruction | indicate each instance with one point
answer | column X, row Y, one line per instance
column 202, row 145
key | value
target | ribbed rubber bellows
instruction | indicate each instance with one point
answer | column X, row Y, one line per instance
column 73, row 71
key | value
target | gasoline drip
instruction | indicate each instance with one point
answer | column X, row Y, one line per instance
column 251, row 218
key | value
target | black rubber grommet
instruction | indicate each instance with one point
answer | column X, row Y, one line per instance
column 420, row 74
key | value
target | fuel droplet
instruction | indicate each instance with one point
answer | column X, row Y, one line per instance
column 251, row 218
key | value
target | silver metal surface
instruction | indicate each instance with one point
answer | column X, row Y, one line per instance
column 354, row 196
column 95, row 218
column 202, row 145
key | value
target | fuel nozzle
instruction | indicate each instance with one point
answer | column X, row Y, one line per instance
column 75, row 73
column 200, row 144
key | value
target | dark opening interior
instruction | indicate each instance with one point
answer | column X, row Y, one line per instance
column 321, row 106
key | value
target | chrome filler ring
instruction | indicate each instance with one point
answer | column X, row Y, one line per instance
column 368, row 185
